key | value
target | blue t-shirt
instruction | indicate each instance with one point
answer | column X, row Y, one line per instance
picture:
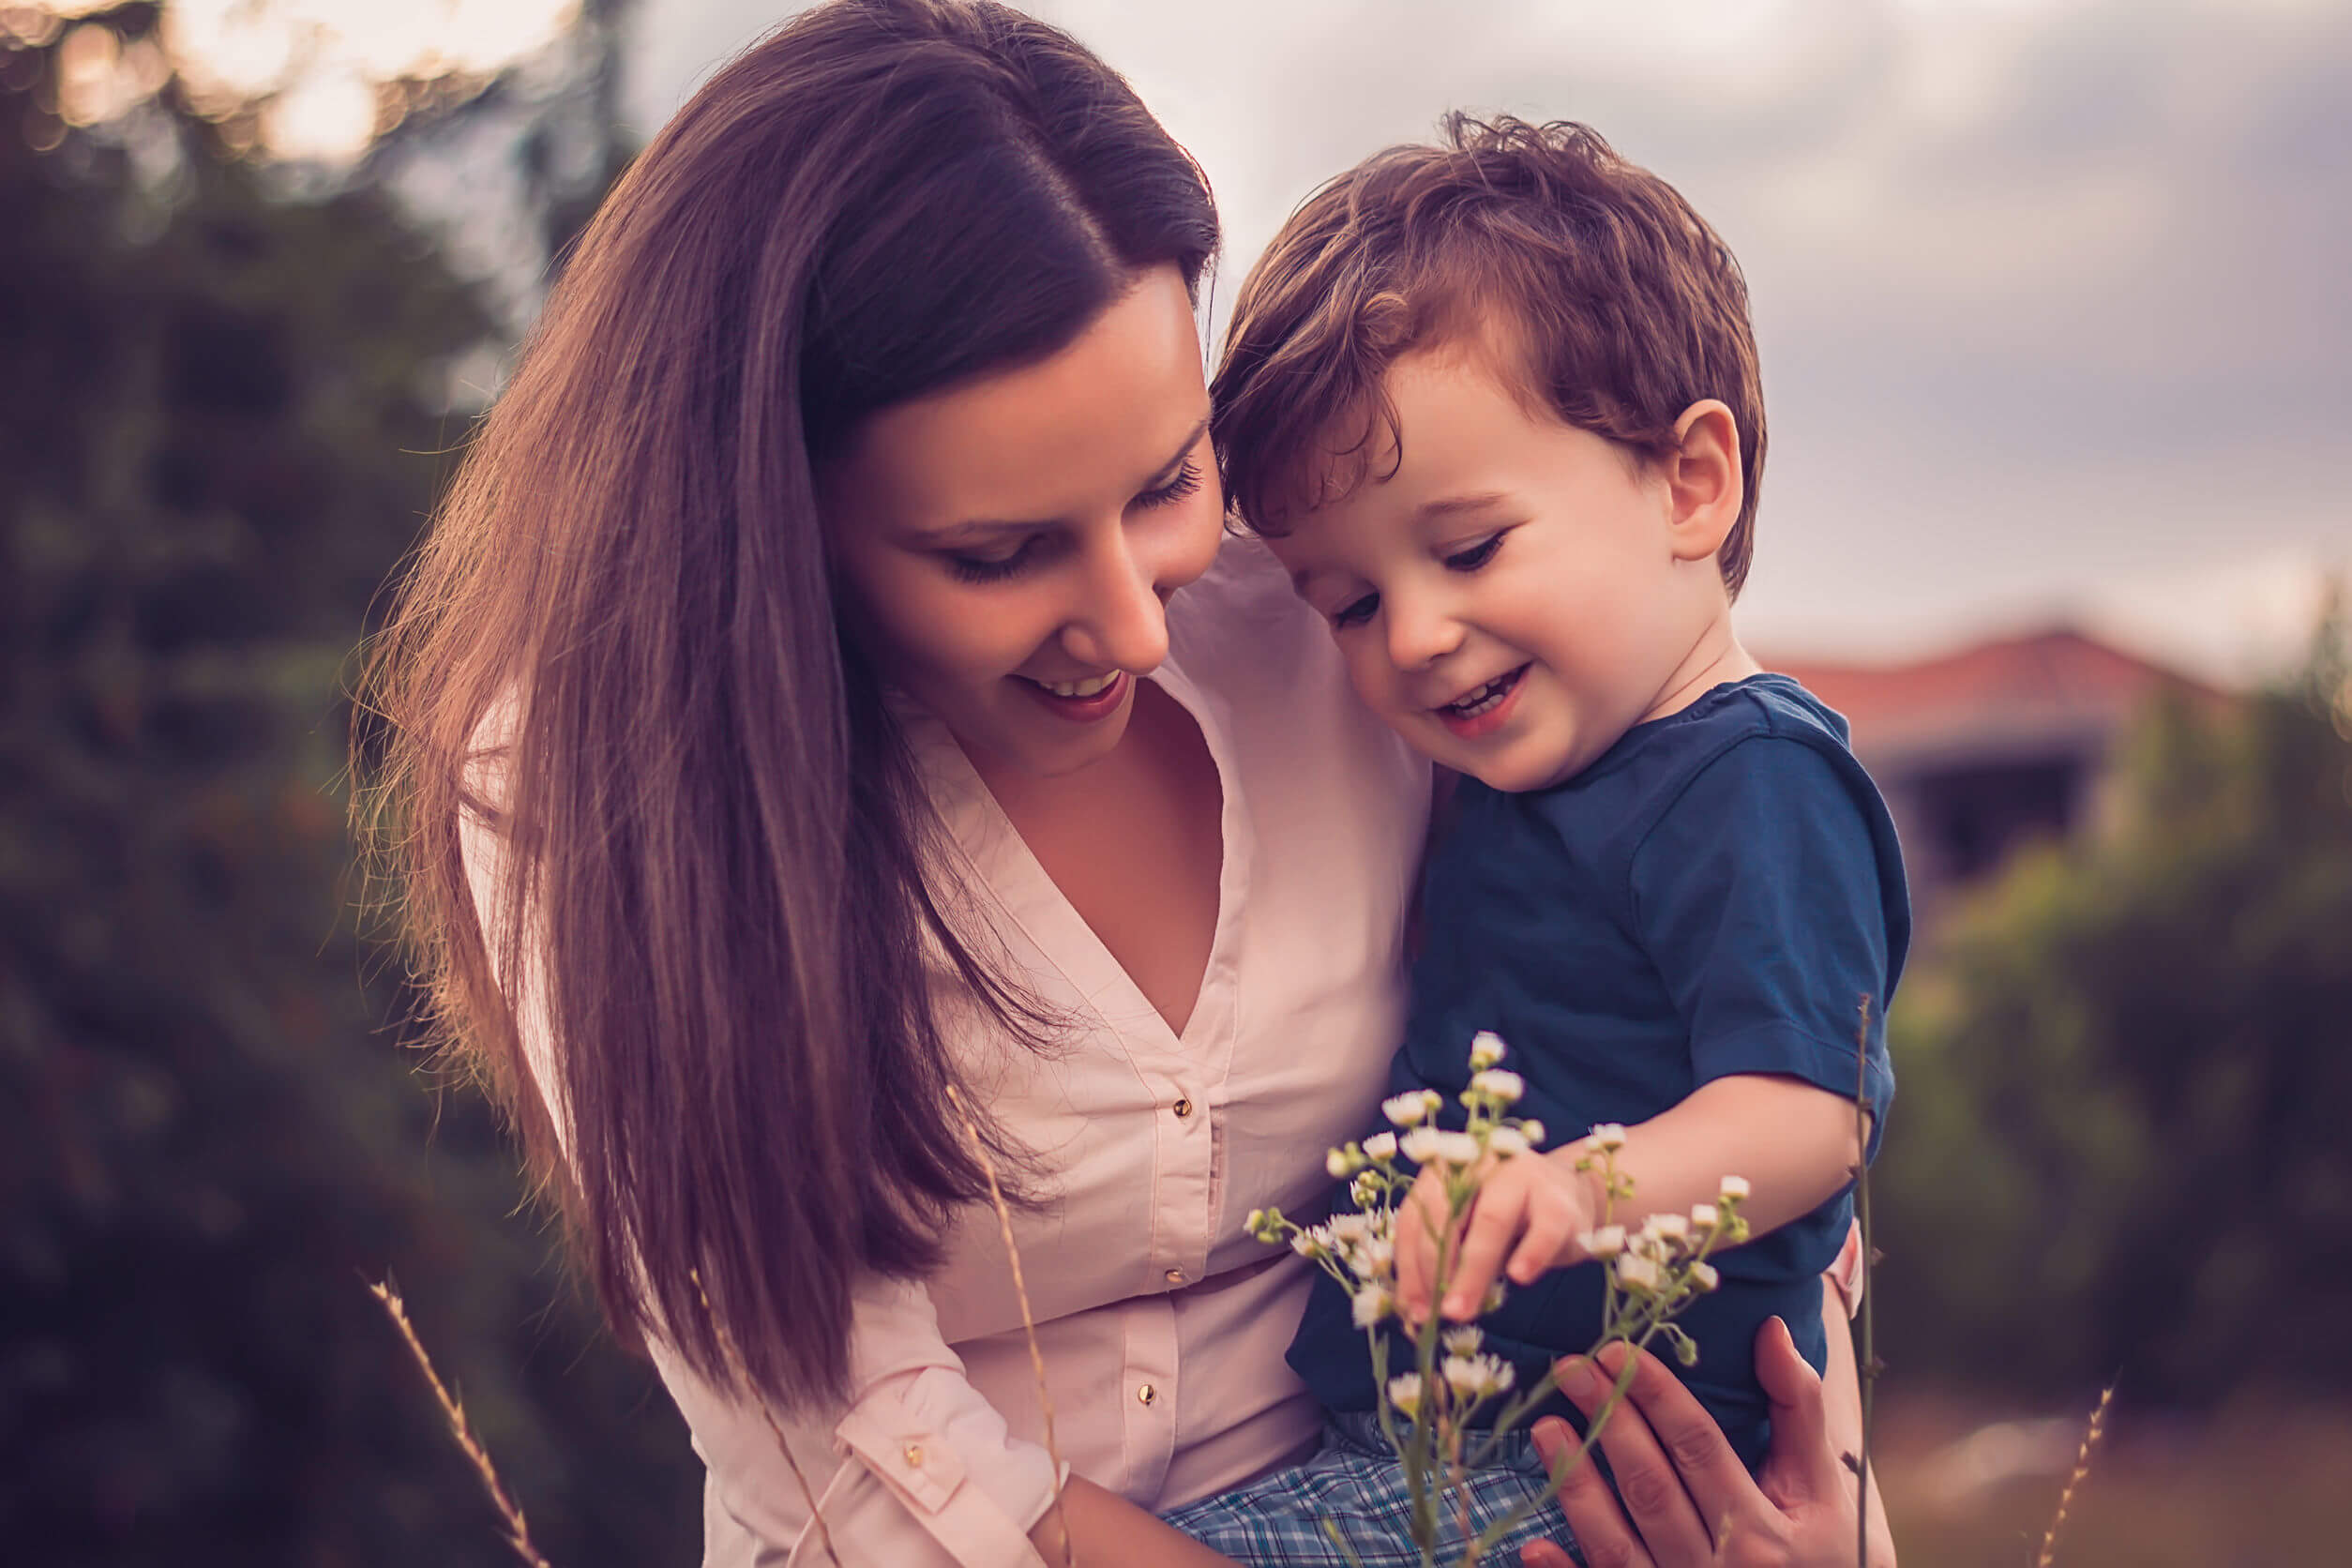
column 1714, row 894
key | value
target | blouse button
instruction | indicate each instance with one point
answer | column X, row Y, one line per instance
column 1175, row 1276
column 1183, row 1107
column 913, row 1454
column 1147, row 1393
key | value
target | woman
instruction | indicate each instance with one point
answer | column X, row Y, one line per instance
column 774, row 683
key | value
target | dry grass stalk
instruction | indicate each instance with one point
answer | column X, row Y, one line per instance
column 518, row 1533
column 1867, row 1364
column 743, row 1380
column 2082, row 1467
column 1029, row 1321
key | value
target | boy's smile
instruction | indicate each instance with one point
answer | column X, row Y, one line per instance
column 1520, row 592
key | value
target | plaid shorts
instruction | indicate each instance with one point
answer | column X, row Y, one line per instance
column 1355, row 1481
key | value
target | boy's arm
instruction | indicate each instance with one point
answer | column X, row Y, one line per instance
column 1795, row 1144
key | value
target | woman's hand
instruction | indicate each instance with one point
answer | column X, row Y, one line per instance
column 1688, row 1501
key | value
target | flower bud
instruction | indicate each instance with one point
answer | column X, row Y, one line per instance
column 1406, row 1110
column 1486, row 1048
column 1497, row 1084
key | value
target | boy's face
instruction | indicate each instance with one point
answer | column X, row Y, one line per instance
column 1519, row 593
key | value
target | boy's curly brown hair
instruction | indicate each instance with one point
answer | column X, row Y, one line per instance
column 1605, row 299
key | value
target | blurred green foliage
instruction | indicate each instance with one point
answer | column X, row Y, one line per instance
column 2118, row 1149
column 221, row 422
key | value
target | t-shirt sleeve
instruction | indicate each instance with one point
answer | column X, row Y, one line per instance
column 1758, row 893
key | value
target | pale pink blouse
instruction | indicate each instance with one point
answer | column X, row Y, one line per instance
column 1162, row 1324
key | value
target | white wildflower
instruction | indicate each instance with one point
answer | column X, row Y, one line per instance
column 1733, row 1188
column 1608, row 1242
column 1458, row 1148
column 1506, row 1142
column 1407, row 1110
column 1703, row 1277
column 1381, row 1146
column 1608, row 1135
column 1637, row 1273
column 1503, row 1086
column 1419, row 1145
column 1705, row 1216
column 1463, row 1341
column 1372, row 1304
column 1404, row 1393
column 1669, row 1227
column 1486, row 1048
column 1476, row 1377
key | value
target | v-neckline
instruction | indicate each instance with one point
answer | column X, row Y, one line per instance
column 1027, row 894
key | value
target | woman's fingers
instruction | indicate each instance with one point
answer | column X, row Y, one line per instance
column 1652, row 1458
column 1597, row 1524
column 1801, row 1466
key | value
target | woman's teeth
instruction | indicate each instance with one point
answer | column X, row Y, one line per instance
column 1484, row 696
column 1093, row 685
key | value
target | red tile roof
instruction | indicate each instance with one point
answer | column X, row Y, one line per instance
column 2051, row 680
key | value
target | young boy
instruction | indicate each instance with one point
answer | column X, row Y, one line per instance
column 1496, row 406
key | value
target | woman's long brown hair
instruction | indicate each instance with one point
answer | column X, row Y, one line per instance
column 619, row 646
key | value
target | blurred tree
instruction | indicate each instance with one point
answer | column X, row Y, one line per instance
column 2120, row 1147
column 221, row 422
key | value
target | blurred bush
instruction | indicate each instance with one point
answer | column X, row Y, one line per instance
column 2118, row 1149
column 221, row 423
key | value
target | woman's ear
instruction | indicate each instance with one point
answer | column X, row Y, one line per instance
column 1704, row 488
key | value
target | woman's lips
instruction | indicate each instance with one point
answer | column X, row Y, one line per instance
column 1080, row 710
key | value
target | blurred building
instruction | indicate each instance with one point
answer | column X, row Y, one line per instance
column 1994, row 745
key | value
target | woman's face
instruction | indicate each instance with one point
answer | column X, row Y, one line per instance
column 1007, row 547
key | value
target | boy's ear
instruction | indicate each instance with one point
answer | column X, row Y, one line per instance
column 1704, row 488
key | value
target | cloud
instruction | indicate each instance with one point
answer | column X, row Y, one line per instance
column 2049, row 292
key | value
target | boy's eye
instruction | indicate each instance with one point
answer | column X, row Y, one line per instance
column 1355, row 613
column 1476, row 555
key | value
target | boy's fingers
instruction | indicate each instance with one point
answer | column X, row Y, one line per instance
column 1493, row 1223
column 1545, row 1245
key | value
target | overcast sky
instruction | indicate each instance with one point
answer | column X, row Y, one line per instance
column 2052, row 295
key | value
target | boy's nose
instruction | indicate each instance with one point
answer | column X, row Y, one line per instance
column 1419, row 636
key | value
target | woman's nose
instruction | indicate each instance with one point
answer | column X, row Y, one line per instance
column 1122, row 621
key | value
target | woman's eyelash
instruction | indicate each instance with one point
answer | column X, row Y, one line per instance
column 980, row 568
column 1187, row 480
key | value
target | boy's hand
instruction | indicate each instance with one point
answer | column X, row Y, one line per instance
column 1530, row 1209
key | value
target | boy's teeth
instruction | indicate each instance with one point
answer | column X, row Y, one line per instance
column 1093, row 685
column 1483, row 698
